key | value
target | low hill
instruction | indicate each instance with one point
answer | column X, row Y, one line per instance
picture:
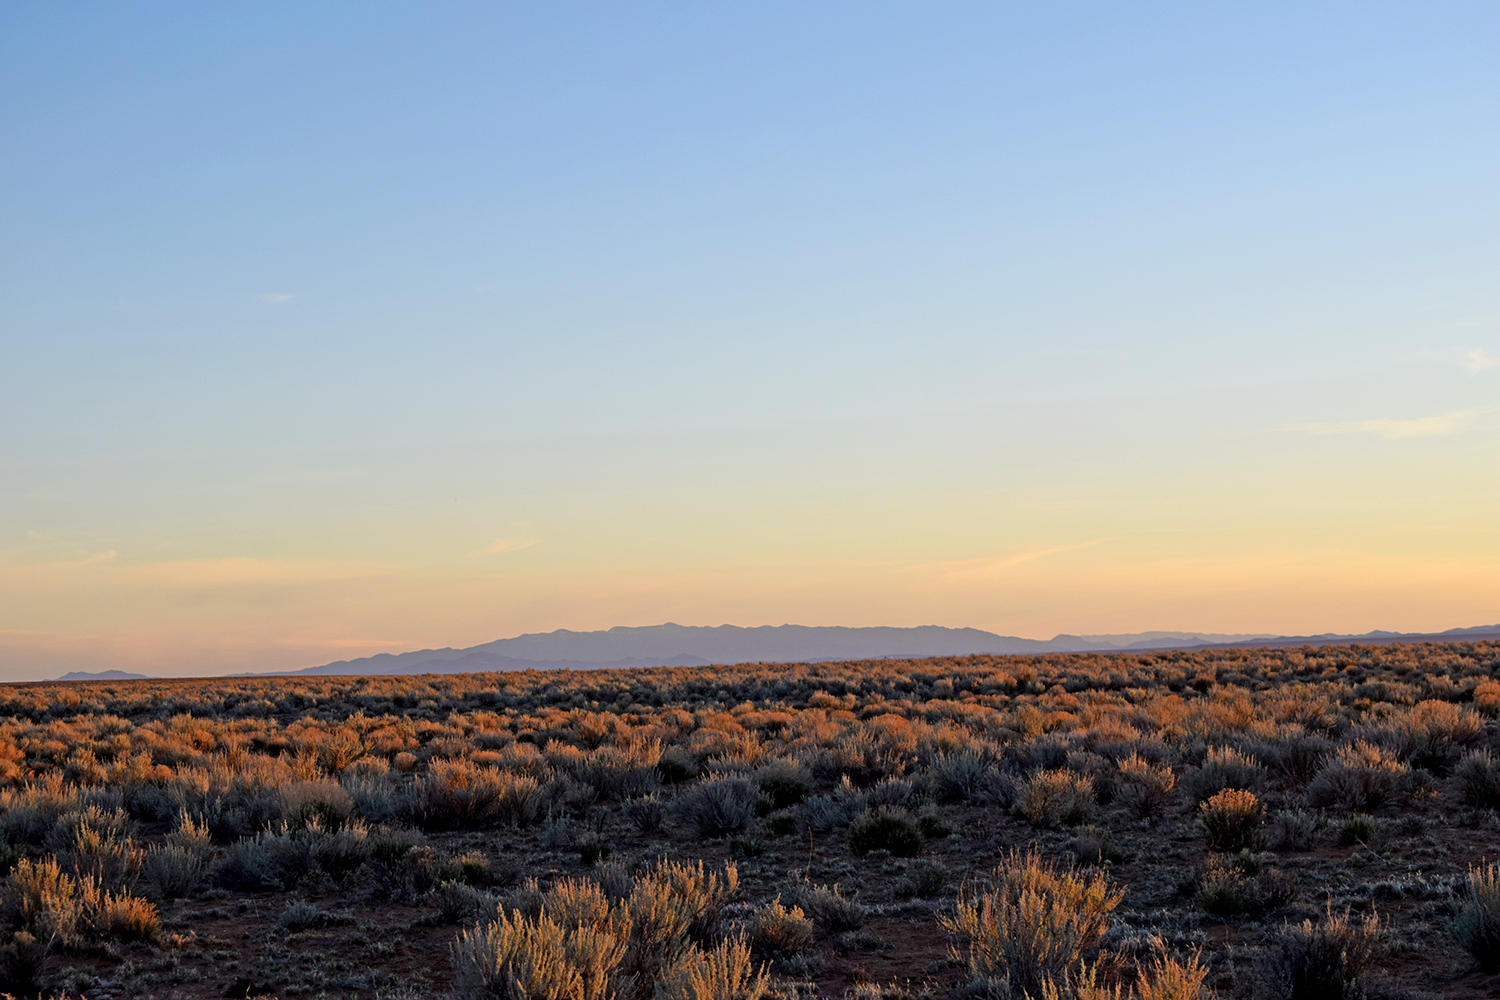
column 673, row 645
column 102, row 675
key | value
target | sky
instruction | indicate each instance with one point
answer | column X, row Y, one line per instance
column 343, row 328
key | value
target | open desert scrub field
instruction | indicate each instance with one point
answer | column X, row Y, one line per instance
column 1306, row 823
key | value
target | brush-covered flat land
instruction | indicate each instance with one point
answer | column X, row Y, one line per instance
column 1302, row 823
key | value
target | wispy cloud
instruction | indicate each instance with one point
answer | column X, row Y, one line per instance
column 1479, row 360
column 1441, row 425
column 500, row 546
column 74, row 562
column 276, row 298
column 992, row 566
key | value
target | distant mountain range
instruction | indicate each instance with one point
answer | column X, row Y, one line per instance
column 673, row 645
column 102, row 675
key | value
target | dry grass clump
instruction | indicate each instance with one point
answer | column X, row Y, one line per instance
column 574, row 943
column 174, row 868
column 117, row 915
column 1056, row 797
column 42, row 900
column 647, row 813
column 1163, row 978
column 960, row 775
column 784, row 782
column 1031, row 924
column 535, row 958
column 780, row 930
column 693, row 889
column 719, row 805
column 1324, row 961
column 1358, row 829
column 1478, row 779
column 885, row 830
column 925, row 878
column 1430, row 734
column 1487, row 697
column 1231, row 886
column 1292, row 830
column 1144, row 788
column 1032, row 932
column 459, row 793
column 1477, row 925
column 1082, row 983
column 458, row 902
column 724, row 972
column 96, row 842
column 835, row 809
column 1360, row 775
column 1224, row 767
column 54, row 909
column 1166, row 978
column 321, row 800
column 278, row 859
column 1231, row 819
column 831, row 908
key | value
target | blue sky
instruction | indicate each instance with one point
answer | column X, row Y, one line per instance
column 669, row 304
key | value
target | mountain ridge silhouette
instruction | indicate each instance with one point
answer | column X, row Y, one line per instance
column 674, row 645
